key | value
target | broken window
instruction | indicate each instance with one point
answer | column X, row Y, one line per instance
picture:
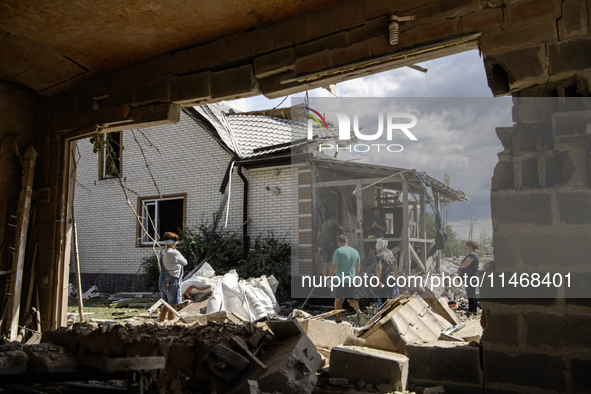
column 160, row 215
column 110, row 157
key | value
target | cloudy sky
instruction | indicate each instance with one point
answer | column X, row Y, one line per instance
column 456, row 119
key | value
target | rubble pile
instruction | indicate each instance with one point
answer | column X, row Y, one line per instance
column 229, row 338
column 414, row 341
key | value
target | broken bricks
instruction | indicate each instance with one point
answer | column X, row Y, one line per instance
column 47, row 358
column 13, row 360
column 455, row 365
column 223, row 352
column 292, row 363
column 327, row 333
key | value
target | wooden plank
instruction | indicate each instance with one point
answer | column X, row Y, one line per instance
column 354, row 182
column 438, row 261
column 326, row 314
column 406, row 246
column 23, row 211
column 36, row 317
column 77, row 264
column 31, row 280
column 155, row 306
column 58, row 304
column 359, row 196
column 35, row 339
column 418, row 259
column 423, row 227
column 170, row 308
column 88, row 292
column 421, row 240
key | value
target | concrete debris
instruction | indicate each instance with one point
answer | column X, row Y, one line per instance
column 216, row 356
column 370, row 365
column 439, row 305
column 91, row 293
column 472, row 331
column 403, row 321
column 455, row 365
column 293, row 363
column 46, row 357
column 72, row 292
column 327, row 333
column 224, row 351
column 13, row 360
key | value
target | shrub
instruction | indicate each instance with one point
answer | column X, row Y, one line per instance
column 266, row 255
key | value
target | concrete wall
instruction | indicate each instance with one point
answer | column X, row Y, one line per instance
column 540, row 198
column 189, row 162
column 542, row 223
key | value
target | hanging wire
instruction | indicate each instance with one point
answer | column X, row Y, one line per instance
column 285, row 98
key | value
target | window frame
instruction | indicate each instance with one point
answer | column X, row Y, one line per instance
column 102, row 160
column 141, row 239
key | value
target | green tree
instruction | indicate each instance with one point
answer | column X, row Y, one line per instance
column 484, row 240
column 453, row 246
column 484, row 243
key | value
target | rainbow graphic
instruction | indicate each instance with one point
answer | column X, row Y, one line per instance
column 316, row 119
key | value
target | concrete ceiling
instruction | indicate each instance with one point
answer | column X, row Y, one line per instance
column 45, row 43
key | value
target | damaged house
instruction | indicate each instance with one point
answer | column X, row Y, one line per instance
column 169, row 185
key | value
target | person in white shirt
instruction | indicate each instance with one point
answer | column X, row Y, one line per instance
column 170, row 264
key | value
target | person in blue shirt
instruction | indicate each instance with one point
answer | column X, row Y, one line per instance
column 346, row 264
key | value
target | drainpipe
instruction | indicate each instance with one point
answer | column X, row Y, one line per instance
column 245, row 240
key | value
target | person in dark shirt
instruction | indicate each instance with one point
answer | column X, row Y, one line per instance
column 376, row 225
column 469, row 269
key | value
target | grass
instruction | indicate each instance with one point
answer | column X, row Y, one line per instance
column 98, row 309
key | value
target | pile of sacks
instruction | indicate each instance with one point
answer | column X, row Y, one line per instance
column 253, row 298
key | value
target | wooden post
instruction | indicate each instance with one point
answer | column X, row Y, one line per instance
column 438, row 263
column 423, row 231
column 359, row 196
column 31, row 280
column 77, row 263
column 62, row 271
column 405, row 235
column 18, row 261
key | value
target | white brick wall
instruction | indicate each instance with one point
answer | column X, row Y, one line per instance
column 190, row 162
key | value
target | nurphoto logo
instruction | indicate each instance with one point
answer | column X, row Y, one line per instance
column 393, row 123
